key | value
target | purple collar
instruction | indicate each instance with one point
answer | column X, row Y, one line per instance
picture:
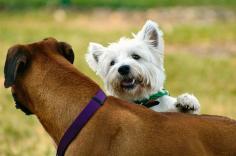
column 94, row 104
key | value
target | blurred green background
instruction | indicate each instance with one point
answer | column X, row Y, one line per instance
column 200, row 56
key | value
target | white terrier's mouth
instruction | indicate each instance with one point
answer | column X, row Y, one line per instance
column 129, row 83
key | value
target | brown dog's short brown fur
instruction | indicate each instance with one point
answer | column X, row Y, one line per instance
column 44, row 80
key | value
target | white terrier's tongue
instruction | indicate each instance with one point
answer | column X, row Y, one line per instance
column 128, row 82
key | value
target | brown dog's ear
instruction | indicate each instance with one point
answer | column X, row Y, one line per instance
column 16, row 61
column 66, row 50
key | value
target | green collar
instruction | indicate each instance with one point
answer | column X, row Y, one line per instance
column 153, row 97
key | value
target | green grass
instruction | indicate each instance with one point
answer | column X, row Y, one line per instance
column 150, row 3
column 210, row 78
column 217, row 32
column 140, row 4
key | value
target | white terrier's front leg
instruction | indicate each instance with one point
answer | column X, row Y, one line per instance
column 188, row 103
column 167, row 104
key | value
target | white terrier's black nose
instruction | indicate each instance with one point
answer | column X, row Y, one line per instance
column 124, row 69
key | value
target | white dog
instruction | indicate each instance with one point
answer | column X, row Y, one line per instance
column 132, row 69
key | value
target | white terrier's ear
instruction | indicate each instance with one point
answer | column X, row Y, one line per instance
column 95, row 50
column 151, row 34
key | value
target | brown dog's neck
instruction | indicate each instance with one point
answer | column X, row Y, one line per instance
column 62, row 95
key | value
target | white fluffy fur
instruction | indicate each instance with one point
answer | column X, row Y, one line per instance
column 148, row 71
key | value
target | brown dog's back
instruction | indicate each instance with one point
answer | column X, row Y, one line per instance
column 119, row 128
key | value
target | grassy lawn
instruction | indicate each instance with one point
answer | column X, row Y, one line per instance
column 190, row 65
column 131, row 4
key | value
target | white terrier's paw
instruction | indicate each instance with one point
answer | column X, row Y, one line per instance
column 188, row 103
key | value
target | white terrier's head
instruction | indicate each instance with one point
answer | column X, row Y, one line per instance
column 131, row 68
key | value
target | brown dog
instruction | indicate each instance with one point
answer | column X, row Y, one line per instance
column 45, row 82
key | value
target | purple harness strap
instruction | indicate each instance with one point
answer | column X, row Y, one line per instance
column 94, row 104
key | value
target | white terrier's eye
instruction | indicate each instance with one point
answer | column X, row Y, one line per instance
column 112, row 63
column 135, row 56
